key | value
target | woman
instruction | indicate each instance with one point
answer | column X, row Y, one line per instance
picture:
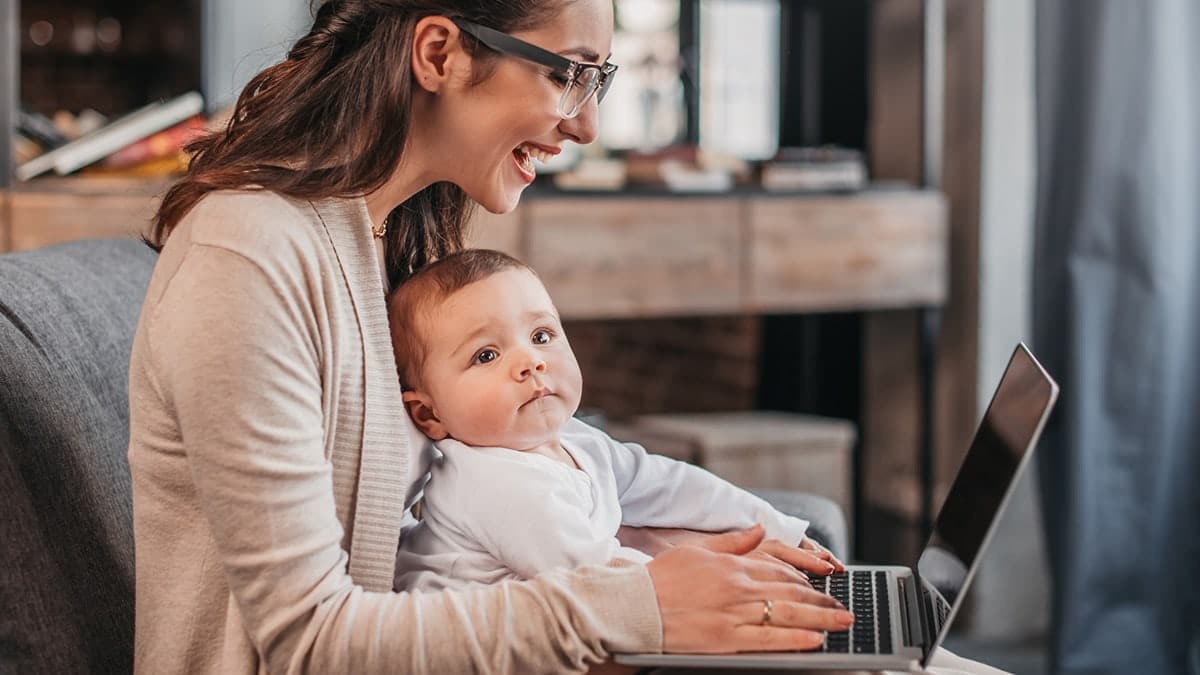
column 272, row 461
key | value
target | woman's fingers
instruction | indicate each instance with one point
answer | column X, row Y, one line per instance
column 776, row 639
column 809, row 544
column 795, row 593
column 763, row 556
column 759, row 569
column 799, row 558
column 791, row 614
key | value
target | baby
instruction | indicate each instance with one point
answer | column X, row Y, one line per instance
column 521, row 486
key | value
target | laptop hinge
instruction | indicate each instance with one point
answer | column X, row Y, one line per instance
column 912, row 616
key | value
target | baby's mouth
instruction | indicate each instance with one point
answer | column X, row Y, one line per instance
column 537, row 396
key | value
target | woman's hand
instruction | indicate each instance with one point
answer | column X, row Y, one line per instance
column 809, row 544
column 810, row 556
column 713, row 599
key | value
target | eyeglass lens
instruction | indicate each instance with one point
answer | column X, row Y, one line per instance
column 578, row 90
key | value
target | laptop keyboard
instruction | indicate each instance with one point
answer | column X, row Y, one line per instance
column 864, row 593
column 936, row 612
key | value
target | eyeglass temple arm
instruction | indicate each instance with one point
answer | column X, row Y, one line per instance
column 503, row 42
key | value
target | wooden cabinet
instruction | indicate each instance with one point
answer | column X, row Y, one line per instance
column 499, row 232
column 43, row 218
column 614, row 256
column 869, row 251
column 637, row 257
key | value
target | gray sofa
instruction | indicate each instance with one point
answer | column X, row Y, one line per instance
column 67, row 314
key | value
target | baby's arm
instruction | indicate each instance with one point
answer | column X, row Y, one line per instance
column 657, row 491
column 528, row 538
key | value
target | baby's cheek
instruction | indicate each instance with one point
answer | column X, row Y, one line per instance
column 496, row 422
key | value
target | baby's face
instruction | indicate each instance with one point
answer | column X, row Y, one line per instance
column 498, row 369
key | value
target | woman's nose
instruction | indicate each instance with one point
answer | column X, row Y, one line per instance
column 583, row 127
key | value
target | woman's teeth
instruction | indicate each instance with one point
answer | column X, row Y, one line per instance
column 526, row 153
column 524, row 161
column 535, row 152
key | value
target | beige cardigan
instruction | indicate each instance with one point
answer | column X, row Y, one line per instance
column 270, row 458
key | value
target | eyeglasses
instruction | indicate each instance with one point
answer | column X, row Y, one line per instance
column 579, row 80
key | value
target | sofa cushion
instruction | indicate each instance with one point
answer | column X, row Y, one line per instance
column 67, row 315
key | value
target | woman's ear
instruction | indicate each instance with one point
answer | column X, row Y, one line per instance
column 420, row 409
column 436, row 52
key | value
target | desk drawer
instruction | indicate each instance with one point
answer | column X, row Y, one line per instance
column 637, row 257
column 874, row 250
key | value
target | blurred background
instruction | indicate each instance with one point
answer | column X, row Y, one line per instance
column 851, row 211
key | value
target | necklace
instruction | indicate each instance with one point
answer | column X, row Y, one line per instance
column 381, row 229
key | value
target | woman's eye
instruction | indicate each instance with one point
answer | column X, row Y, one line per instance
column 542, row 337
column 486, row 356
column 560, row 78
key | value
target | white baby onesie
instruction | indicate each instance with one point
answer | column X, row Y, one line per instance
column 490, row 514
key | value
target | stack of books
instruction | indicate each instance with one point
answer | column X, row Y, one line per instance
column 818, row 169
column 146, row 142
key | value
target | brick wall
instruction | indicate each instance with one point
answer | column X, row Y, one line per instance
column 668, row 365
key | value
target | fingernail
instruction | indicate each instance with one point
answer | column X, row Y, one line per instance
column 829, row 568
column 846, row 617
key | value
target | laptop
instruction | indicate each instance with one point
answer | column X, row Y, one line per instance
column 902, row 614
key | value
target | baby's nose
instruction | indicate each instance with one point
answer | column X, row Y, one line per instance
column 534, row 365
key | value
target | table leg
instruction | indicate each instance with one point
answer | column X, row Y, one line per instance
column 929, row 323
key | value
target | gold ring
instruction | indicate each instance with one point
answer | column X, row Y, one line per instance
column 766, row 619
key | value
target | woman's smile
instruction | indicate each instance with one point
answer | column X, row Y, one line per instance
column 524, row 163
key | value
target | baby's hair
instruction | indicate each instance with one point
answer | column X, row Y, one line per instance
column 412, row 301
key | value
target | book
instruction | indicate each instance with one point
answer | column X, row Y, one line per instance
column 73, row 126
column 593, row 174
column 679, row 176
column 40, row 129
column 24, row 149
column 102, row 142
column 824, row 169
column 160, row 167
column 165, row 143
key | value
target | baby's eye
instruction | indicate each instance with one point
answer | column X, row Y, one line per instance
column 542, row 337
column 486, row 356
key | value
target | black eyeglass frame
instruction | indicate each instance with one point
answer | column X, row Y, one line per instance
column 507, row 44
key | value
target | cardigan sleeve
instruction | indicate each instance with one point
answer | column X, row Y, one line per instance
column 237, row 358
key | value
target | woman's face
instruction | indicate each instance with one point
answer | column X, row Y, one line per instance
column 496, row 127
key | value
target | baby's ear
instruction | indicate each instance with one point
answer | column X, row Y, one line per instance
column 420, row 409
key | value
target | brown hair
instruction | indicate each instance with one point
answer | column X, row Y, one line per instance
column 412, row 300
column 331, row 120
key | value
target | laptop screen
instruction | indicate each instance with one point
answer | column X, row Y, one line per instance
column 1008, row 431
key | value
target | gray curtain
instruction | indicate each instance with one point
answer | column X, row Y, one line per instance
column 1117, row 321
